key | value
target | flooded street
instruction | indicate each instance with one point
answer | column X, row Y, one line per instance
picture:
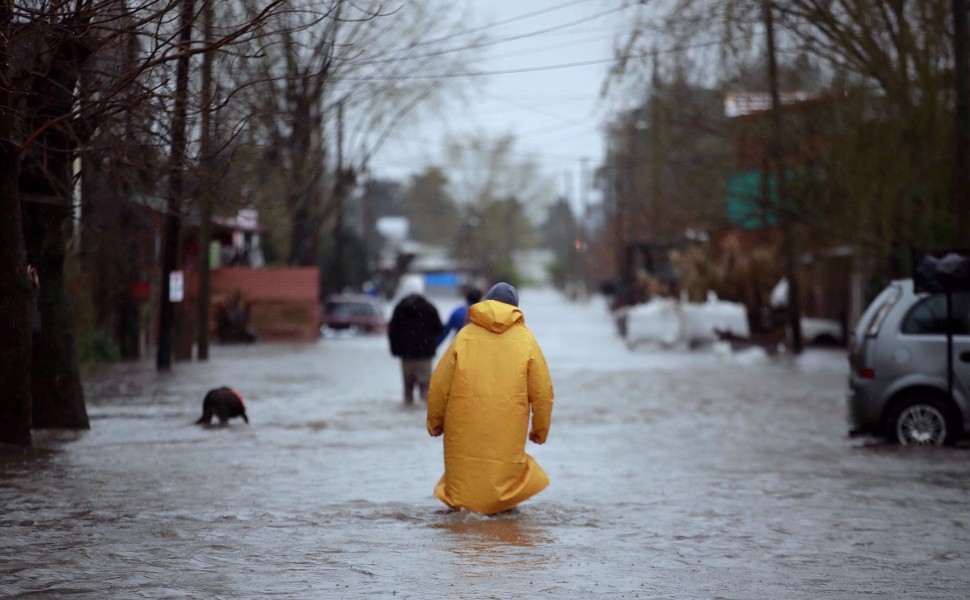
column 675, row 474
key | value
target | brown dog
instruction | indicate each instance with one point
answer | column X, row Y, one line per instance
column 225, row 403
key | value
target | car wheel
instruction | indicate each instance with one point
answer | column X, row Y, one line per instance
column 824, row 340
column 922, row 421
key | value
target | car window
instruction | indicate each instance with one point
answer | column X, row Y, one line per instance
column 928, row 316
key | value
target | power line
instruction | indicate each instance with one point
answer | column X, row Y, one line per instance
column 486, row 44
column 489, row 26
column 569, row 43
column 586, row 63
column 520, row 106
column 394, row 51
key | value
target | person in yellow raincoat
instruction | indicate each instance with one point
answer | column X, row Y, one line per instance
column 481, row 394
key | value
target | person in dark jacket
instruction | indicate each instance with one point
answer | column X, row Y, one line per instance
column 413, row 332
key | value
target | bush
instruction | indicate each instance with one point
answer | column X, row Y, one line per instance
column 96, row 347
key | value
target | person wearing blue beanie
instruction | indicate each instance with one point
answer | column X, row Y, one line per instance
column 503, row 292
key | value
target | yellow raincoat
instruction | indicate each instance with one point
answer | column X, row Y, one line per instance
column 480, row 395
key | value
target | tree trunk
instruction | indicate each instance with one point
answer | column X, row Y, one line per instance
column 336, row 275
column 305, row 231
column 128, row 327
column 58, row 398
column 16, row 310
column 16, row 307
column 304, row 193
column 46, row 186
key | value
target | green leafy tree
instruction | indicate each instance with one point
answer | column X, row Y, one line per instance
column 501, row 194
column 432, row 213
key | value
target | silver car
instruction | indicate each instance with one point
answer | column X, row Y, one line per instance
column 900, row 380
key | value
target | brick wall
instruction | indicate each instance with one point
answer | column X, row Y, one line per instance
column 283, row 301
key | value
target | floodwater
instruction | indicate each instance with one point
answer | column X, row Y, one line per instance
column 675, row 474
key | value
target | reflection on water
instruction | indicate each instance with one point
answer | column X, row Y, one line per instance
column 17, row 464
column 506, row 541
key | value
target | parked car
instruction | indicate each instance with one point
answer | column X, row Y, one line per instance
column 898, row 381
column 353, row 312
column 821, row 332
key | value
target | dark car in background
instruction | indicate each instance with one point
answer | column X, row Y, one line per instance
column 900, row 378
column 352, row 313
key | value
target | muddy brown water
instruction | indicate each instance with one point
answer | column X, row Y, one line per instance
column 675, row 474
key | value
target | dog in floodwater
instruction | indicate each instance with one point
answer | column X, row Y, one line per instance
column 224, row 403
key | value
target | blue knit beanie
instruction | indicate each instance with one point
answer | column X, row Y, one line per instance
column 503, row 292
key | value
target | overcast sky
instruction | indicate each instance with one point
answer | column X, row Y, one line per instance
column 543, row 86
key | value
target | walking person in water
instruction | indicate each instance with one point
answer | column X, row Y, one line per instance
column 490, row 379
column 413, row 334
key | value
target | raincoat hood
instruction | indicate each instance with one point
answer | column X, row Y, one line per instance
column 495, row 316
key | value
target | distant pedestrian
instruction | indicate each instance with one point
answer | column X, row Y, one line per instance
column 459, row 316
column 413, row 333
column 488, row 381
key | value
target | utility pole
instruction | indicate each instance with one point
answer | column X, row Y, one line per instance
column 777, row 155
column 583, row 188
column 170, row 247
column 338, row 252
column 583, row 231
column 207, row 149
column 961, row 130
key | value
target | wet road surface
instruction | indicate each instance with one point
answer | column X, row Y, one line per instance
column 675, row 474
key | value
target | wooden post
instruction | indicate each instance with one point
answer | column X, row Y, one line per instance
column 961, row 138
column 170, row 245
column 786, row 217
column 202, row 320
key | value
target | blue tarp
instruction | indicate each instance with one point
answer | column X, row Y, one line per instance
column 441, row 280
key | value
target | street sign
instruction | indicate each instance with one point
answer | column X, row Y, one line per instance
column 176, row 286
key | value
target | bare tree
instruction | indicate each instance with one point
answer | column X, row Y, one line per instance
column 50, row 114
column 886, row 69
column 331, row 90
column 501, row 195
column 892, row 62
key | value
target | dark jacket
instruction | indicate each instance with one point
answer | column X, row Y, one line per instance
column 414, row 328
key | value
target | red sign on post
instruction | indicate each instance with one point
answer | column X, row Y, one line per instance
column 141, row 290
